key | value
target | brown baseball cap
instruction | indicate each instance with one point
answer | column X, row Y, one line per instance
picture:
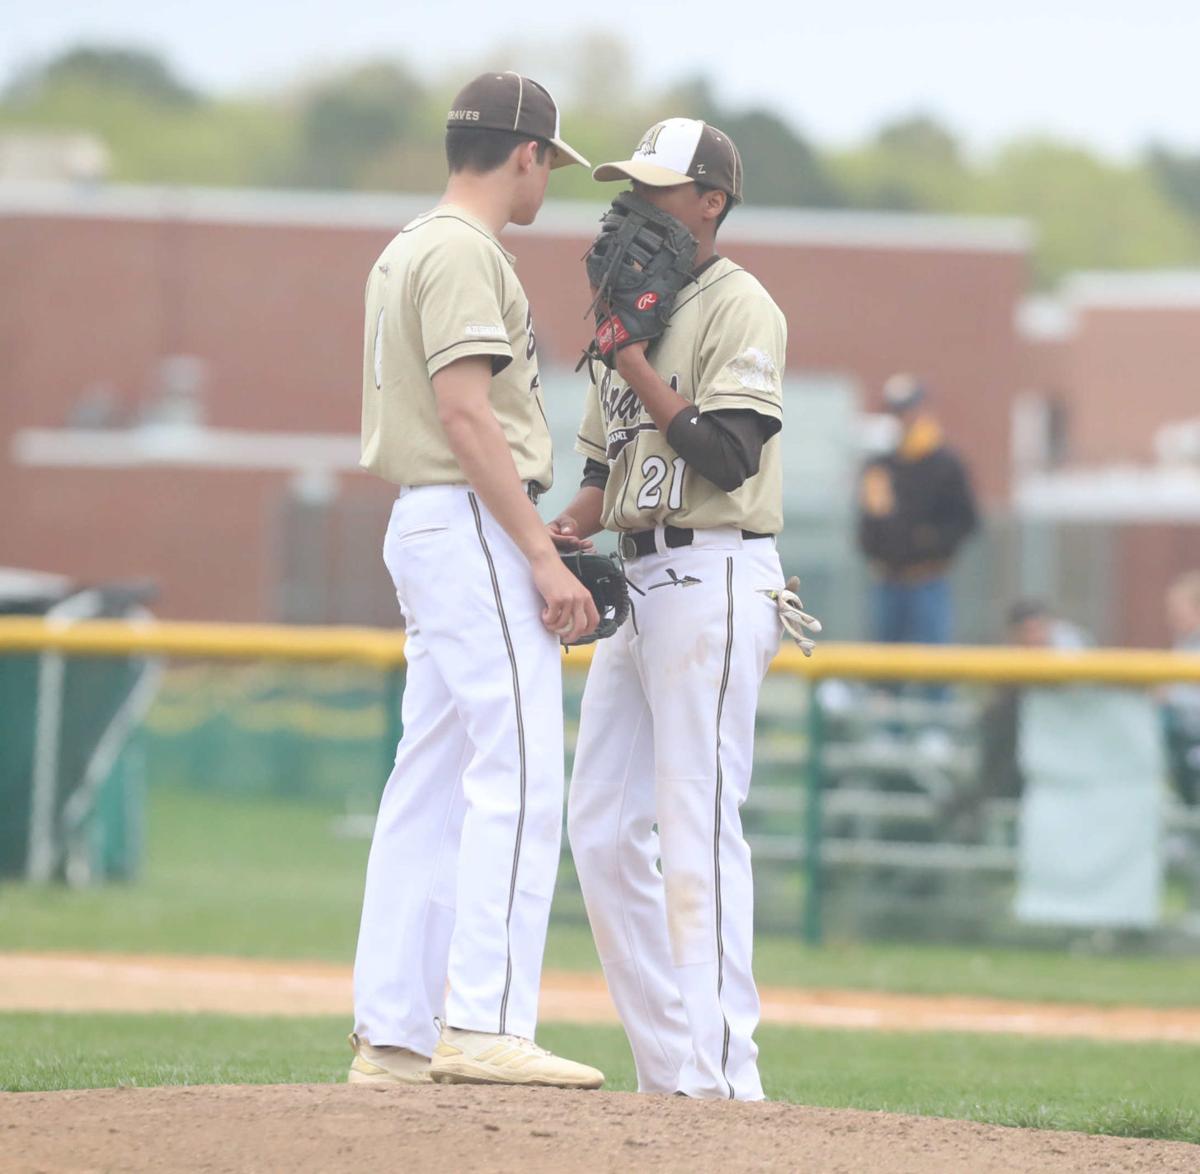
column 677, row 150
column 508, row 101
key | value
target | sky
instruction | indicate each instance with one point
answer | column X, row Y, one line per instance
column 1113, row 74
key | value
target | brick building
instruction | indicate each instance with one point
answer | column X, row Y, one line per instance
column 265, row 289
column 1112, row 444
column 1119, row 356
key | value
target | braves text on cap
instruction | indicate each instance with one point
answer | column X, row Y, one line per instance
column 677, row 150
column 508, row 101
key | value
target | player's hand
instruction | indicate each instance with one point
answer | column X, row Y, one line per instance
column 570, row 611
column 564, row 533
column 632, row 358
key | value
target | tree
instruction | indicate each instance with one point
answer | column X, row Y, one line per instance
column 781, row 167
column 1178, row 178
column 348, row 122
column 1087, row 212
column 912, row 164
column 919, row 138
column 135, row 72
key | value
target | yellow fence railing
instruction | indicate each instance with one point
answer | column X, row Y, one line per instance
column 384, row 649
column 373, row 646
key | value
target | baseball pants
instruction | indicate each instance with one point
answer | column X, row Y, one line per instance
column 662, row 767
column 466, row 844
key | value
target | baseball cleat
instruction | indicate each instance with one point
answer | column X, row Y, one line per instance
column 481, row 1057
column 372, row 1065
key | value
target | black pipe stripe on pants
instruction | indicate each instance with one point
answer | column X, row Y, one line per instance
column 512, row 660
column 717, row 820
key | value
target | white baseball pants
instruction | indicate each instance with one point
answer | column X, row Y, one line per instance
column 466, row 845
column 666, row 744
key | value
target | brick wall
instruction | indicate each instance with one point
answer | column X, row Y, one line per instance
column 274, row 310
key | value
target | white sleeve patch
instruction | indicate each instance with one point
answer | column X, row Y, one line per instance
column 755, row 370
column 483, row 330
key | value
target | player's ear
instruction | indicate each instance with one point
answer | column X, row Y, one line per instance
column 527, row 156
column 714, row 203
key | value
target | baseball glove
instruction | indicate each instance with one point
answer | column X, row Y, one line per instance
column 603, row 577
column 637, row 265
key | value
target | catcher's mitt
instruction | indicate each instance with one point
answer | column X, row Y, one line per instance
column 602, row 576
column 637, row 265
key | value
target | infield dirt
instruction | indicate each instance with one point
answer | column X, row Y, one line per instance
column 238, row 986
column 343, row 1127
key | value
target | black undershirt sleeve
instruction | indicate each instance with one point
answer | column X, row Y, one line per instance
column 724, row 447
column 595, row 474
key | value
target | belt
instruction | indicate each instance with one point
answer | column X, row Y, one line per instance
column 635, row 543
column 531, row 489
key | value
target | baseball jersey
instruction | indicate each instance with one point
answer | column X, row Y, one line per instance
column 444, row 288
column 723, row 348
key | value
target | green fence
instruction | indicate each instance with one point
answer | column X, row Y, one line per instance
column 889, row 831
column 872, row 813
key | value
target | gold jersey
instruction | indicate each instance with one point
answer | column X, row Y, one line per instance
column 443, row 289
column 724, row 348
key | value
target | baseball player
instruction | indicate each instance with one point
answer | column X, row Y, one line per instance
column 466, row 845
column 682, row 461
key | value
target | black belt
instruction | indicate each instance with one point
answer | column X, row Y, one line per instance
column 635, row 543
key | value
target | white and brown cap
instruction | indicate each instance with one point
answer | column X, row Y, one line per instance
column 677, row 150
column 902, row 392
column 508, row 101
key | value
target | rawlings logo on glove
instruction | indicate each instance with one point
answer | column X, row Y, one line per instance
column 637, row 265
column 611, row 335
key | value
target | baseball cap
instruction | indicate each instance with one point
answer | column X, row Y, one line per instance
column 677, row 150
column 508, row 101
column 902, row 392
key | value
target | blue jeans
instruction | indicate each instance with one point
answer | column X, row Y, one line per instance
column 912, row 613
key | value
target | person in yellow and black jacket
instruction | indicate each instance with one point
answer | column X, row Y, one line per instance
column 916, row 507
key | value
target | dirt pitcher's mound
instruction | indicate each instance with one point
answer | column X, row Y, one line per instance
column 331, row 1128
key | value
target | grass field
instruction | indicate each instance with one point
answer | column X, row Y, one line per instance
column 1135, row 1091
column 266, row 878
column 270, row 879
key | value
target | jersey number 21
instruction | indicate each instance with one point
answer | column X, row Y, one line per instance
column 655, row 470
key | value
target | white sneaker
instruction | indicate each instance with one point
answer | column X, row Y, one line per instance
column 383, row 1065
column 481, row 1057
